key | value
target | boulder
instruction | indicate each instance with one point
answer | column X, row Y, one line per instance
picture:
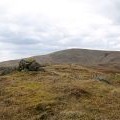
column 7, row 70
column 34, row 66
column 29, row 65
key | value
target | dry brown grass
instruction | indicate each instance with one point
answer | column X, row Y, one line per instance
column 62, row 92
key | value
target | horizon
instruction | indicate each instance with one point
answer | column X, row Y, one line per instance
column 36, row 27
column 59, row 51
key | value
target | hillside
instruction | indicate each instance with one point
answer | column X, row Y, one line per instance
column 62, row 92
column 91, row 58
column 75, row 84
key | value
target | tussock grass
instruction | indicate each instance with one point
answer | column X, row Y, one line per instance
column 62, row 92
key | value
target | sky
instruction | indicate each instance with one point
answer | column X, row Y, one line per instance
column 36, row 27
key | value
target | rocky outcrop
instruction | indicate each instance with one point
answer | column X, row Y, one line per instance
column 7, row 70
column 29, row 65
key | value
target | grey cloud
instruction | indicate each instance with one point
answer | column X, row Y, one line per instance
column 27, row 35
column 109, row 9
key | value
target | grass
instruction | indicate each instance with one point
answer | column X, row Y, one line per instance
column 62, row 92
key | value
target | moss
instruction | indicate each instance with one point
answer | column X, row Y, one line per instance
column 30, row 59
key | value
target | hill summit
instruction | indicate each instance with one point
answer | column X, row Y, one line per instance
column 85, row 57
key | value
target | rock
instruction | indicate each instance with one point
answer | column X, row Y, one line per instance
column 29, row 65
column 34, row 66
column 101, row 77
column 7, row 70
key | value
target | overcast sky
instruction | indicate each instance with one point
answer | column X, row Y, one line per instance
column 34, row 27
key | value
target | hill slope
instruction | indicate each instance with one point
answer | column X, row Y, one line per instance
column 62, row 92
column 92, row 58
column 65, row 90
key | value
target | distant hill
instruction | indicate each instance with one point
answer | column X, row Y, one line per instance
column 90, row 58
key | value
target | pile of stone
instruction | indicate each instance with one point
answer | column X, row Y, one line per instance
column 29, row 65
column 24, row 65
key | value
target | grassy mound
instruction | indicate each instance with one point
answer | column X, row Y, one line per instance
column 62, row 92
